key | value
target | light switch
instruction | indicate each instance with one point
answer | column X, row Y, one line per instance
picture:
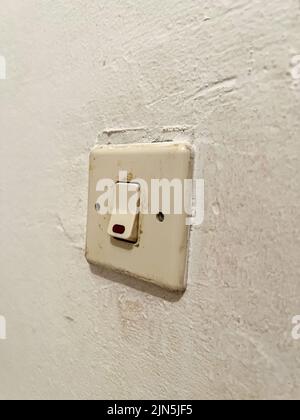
column 124, row 220
column 151, row 245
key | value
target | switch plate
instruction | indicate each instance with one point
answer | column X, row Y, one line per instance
column 160, row 254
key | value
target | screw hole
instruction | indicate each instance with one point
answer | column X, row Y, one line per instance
column 160, row 217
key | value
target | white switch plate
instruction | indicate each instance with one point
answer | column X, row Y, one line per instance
column 160, row 255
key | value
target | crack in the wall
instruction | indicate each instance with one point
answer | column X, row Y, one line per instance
column 225, row 85
column 62, row 228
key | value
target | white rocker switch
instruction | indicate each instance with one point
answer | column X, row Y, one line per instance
column 124, row 220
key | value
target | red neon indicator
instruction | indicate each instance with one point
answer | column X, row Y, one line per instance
column 119, row 229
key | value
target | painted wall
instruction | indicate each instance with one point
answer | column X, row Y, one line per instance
column 229, row 72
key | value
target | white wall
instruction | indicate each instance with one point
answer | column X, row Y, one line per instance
column 229, row 71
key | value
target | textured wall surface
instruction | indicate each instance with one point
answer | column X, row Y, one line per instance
column 228, row 71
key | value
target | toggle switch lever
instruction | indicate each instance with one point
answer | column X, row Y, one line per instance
column 124, row 221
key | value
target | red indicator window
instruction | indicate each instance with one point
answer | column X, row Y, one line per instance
column 119, row 229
